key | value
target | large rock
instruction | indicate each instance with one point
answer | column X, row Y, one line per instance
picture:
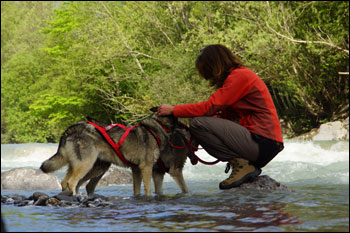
column 332, row 131
column 115, row 175
column 28, row 179
column 264, row 183
column 337, row 130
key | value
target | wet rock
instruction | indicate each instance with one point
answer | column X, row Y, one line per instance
column 264, row 183
column 37, row 195
column 41, row 201
column 26, row 203
column 82, row 197
column 66, row 196
column 28, row 179
column 67, row 199
column 67, row 193
column 52, row 202
column 96, row 196
column 62, row 199
column 17, row 197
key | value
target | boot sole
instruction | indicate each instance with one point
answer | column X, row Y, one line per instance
column 249, row 177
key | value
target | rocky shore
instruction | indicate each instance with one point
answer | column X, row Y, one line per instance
column 62, row 199
column 66, row 198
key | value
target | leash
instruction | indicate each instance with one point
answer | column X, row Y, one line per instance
column 192, row 149
column 116, row 146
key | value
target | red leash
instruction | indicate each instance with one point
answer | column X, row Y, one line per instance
column 193, row 148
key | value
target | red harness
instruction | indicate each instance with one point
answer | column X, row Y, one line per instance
column 116, row 146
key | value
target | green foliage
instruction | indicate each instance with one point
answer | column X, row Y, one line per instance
column 113, row 60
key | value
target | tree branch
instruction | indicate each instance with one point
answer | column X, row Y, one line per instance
column 123, row 37
column 307, row 41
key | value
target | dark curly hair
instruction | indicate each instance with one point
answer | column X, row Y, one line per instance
column 215, row 63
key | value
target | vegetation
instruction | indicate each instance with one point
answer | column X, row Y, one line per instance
column 62, row 61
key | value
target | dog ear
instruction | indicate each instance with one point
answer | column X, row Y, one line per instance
column 154, row 109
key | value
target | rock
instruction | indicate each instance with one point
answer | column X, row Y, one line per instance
column 28, row 179
column 66, row 196
column 337, row 130
column 66, row 199
column 41, row 201
column 115, row 175
column 67, row 193
column 264, row 183
column 62, row 199
column 37, row 195
column 331, row 131
column 52, row 202
column 97, row 196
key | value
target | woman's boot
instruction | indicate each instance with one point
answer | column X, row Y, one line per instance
column 242, row 172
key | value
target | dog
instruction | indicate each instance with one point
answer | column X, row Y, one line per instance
column 173, row 158
column 81, row 147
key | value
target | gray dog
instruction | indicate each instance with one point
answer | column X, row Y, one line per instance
column 89, row 156
column 172, row 158
column 82, row 145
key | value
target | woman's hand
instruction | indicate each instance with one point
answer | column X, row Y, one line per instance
column 165, row 110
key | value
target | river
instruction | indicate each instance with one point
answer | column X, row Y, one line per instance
column 317, row 172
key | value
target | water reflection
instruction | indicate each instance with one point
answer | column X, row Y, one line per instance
column 197, row 212
column 308, row 208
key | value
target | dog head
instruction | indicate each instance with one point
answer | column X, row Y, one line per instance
column 168, row 123
column 163, row 127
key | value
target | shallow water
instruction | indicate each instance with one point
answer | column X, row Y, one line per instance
column 317, row 172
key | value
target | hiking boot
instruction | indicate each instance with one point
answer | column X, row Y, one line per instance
column 242, row 172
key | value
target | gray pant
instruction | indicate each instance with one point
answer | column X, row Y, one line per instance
column 224, row 139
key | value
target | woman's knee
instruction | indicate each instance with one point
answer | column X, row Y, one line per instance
column 198, row 122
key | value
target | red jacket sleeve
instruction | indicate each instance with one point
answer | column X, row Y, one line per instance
column 235, row 87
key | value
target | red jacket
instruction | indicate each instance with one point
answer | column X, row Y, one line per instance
column 243, row 96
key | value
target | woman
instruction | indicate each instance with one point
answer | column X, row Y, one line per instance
column 241, row 95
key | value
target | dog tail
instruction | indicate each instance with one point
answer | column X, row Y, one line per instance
column 54, row 163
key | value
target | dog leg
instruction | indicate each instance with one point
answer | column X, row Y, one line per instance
column 137, row 179
column 78, row 173
column 146, row 172
column 158, row 182
column 177, row 175
column 94, row 175
column 90, row 187
column 64, row 182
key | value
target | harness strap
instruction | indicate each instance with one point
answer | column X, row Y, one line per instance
column 115, row 146
column 159, row 161
column 154, row 135
column 114, row 125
